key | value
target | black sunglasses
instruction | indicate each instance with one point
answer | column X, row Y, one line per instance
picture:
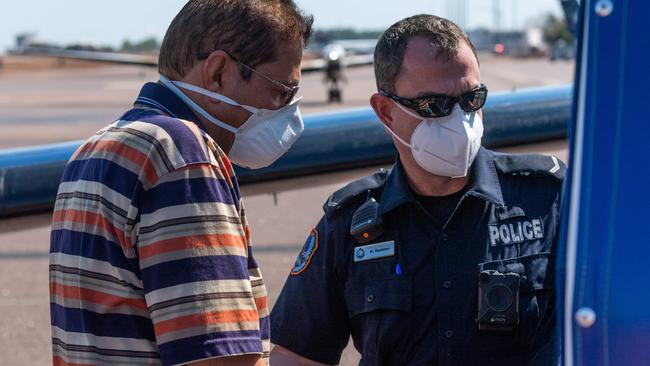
column 440, row 105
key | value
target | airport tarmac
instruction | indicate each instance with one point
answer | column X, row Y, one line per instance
column 43, row 101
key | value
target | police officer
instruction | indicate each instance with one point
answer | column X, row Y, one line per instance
column 448, row 259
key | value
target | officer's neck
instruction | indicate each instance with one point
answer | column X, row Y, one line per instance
column 424, row 183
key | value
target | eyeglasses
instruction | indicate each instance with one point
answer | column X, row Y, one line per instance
column 286, row 95
column 440, row 105
column 288, row 92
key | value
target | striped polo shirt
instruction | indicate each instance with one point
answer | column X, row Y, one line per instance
column 150, row 257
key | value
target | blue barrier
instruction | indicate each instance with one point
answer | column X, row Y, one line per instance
column 29, row 177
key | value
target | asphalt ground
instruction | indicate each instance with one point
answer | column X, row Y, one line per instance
column 45, row 101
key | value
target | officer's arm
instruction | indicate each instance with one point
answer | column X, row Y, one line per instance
column 284, row 357
column 310, row 317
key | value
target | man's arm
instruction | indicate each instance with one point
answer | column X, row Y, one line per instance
column 244, row 360
column 194, row 262
column 284, row 357
column 310, row 318
column 279, row 356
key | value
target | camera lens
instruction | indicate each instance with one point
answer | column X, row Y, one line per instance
column 499, row 298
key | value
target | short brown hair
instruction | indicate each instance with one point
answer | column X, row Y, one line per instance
column 391, row 47
column 249, row 30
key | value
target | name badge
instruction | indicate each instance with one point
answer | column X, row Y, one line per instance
column 374, row 251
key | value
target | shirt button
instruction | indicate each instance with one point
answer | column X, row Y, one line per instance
column 445, row 237
column 371, row 298
column 449, row 333
column 447, row 284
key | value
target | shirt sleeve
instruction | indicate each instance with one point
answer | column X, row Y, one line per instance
column 310, row 318
column 194, row 257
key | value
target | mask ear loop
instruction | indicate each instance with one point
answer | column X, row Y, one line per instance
column 213, row 95
column 170, row 84
column 408, row 111
column 412, row 114
column 398, row 138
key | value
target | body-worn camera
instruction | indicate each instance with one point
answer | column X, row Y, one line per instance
column 498, row 300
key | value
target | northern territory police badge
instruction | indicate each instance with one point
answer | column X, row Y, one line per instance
column 307, row 252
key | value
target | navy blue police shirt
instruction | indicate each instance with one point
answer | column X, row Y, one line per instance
column 412, row 298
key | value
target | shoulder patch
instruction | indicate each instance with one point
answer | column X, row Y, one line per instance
column 307, row 252
column 338, row 198
column 530, row 164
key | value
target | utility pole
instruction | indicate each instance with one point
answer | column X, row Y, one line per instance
column 462, row 13
column 496, row 15
column 515, row 15
column 496, row 19
column 457, row 12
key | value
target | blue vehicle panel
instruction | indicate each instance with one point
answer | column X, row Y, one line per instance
column 606, row 303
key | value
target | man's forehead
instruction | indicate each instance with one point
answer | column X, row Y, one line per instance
column 455, row 88
column 427, row 70
column 422, row 47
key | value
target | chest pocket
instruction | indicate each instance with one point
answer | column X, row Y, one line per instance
column 378, row 308
column 363, row 296
column 536, row 302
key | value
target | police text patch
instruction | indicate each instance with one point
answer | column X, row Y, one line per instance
column 373, row 251
column 307, row 252
column 516, row 232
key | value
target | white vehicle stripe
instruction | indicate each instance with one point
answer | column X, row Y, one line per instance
column 574, row 207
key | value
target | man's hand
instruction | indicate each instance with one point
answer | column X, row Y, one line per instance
column 284, row 357
column 243, row 360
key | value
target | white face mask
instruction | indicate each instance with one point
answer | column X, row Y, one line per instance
column 262, row 139
column 445, row 146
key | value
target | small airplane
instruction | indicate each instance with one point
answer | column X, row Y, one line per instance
column 354, row 53
column 330, row 57
column 334, row 71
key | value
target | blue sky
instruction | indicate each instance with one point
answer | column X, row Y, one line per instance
column 110, row 22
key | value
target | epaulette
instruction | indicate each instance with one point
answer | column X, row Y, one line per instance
column 530, row 164
column 343, row 195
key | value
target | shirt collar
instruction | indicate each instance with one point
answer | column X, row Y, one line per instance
column 484, row 183
column 396, row 189
column 158, row 96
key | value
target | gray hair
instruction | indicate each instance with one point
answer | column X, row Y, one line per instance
column 389, row 53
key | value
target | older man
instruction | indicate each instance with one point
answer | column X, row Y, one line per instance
column 150, row 255
column 448, row 258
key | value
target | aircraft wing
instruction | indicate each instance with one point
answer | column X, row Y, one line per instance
column 112, row 57
column 309, row 65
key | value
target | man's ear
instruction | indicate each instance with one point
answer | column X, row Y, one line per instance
column 214, row 67
column 383, row 107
